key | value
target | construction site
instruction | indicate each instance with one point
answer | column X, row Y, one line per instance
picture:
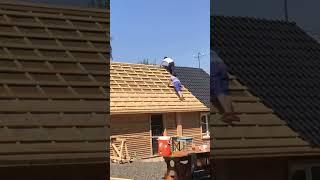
column 143, row 108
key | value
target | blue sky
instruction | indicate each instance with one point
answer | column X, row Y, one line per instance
column 144, row 29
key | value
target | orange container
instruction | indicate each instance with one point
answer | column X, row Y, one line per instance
column 164, row 148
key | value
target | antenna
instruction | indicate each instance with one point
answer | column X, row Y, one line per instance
column 198, row 56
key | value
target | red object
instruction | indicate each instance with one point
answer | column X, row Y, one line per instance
column 164, row 148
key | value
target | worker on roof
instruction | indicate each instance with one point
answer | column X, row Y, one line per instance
column 175, row 82
column 219, row 87
column 168, row 63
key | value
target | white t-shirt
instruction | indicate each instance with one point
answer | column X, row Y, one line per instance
column 166, row 61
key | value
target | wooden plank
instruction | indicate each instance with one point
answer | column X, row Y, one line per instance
column 58, row 157
column 52, row 106
column 155, row 110
column 257, row 143
column 52, row 36
column 53, row 59
column 54, row 134
column 47, row 47
column 251, row 99
column 54, row 97
column 250, row 119
column 38, row 25
column 251, row 108
column 53, row 83
column 54, row 16
column 52, row 148
column 252, row 132
column 46, row 8
column 263, row 151
column 50, row 123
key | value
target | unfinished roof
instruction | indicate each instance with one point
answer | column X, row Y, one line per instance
column 197, row 81
column 53, row 97
column 138, row 88
column 270, row 91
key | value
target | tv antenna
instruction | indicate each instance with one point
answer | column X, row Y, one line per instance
column 198, row 56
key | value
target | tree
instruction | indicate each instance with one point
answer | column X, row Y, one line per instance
column 144, row 61
column 147, row 61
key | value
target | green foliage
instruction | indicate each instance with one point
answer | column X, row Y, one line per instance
column 146, row 61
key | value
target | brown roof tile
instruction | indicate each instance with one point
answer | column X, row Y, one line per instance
column 53, row 81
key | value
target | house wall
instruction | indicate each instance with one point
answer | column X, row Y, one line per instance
column 191, row 127
column 135, row 128
column 170, row 124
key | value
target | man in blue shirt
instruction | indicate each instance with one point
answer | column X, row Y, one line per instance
column 177, row 86
column 219, row 86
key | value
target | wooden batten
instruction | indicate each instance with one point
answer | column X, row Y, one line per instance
column 179, row 124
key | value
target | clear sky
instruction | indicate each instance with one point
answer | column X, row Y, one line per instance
column 144, row 29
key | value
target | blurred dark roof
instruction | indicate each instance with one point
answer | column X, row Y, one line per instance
column 279, row 63
column 197, row 82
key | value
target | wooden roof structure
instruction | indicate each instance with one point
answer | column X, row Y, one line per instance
column 53, row 84
column 139, row 88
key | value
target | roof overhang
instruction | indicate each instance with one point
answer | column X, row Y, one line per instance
column 155, row 111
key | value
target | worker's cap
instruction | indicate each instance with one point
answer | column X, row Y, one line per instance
column 165, row 57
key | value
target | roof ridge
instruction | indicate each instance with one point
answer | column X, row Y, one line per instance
column 191, row 68
column 255, row 19
column 128, row 63
column 44, row 5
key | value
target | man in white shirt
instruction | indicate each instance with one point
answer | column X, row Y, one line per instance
column 168, row 63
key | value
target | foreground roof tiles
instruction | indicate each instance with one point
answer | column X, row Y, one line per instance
column 138, row 88
column 260, row 133
column 275, row 64
column 53, row 73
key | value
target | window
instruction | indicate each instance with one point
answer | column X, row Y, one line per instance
column 156, row 125
column 305, row 172
column 205, row 125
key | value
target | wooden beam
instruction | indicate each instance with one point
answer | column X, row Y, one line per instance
column 165, row 124
column 179, row 123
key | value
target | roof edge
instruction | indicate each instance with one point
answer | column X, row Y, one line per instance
column 255, row 18
column 44, row 5
column 155, row 111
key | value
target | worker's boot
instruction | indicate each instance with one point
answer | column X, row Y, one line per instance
column 229, row 117
column 235, row 116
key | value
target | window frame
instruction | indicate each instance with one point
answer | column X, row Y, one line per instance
column 306, row 166
column 205, row 135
